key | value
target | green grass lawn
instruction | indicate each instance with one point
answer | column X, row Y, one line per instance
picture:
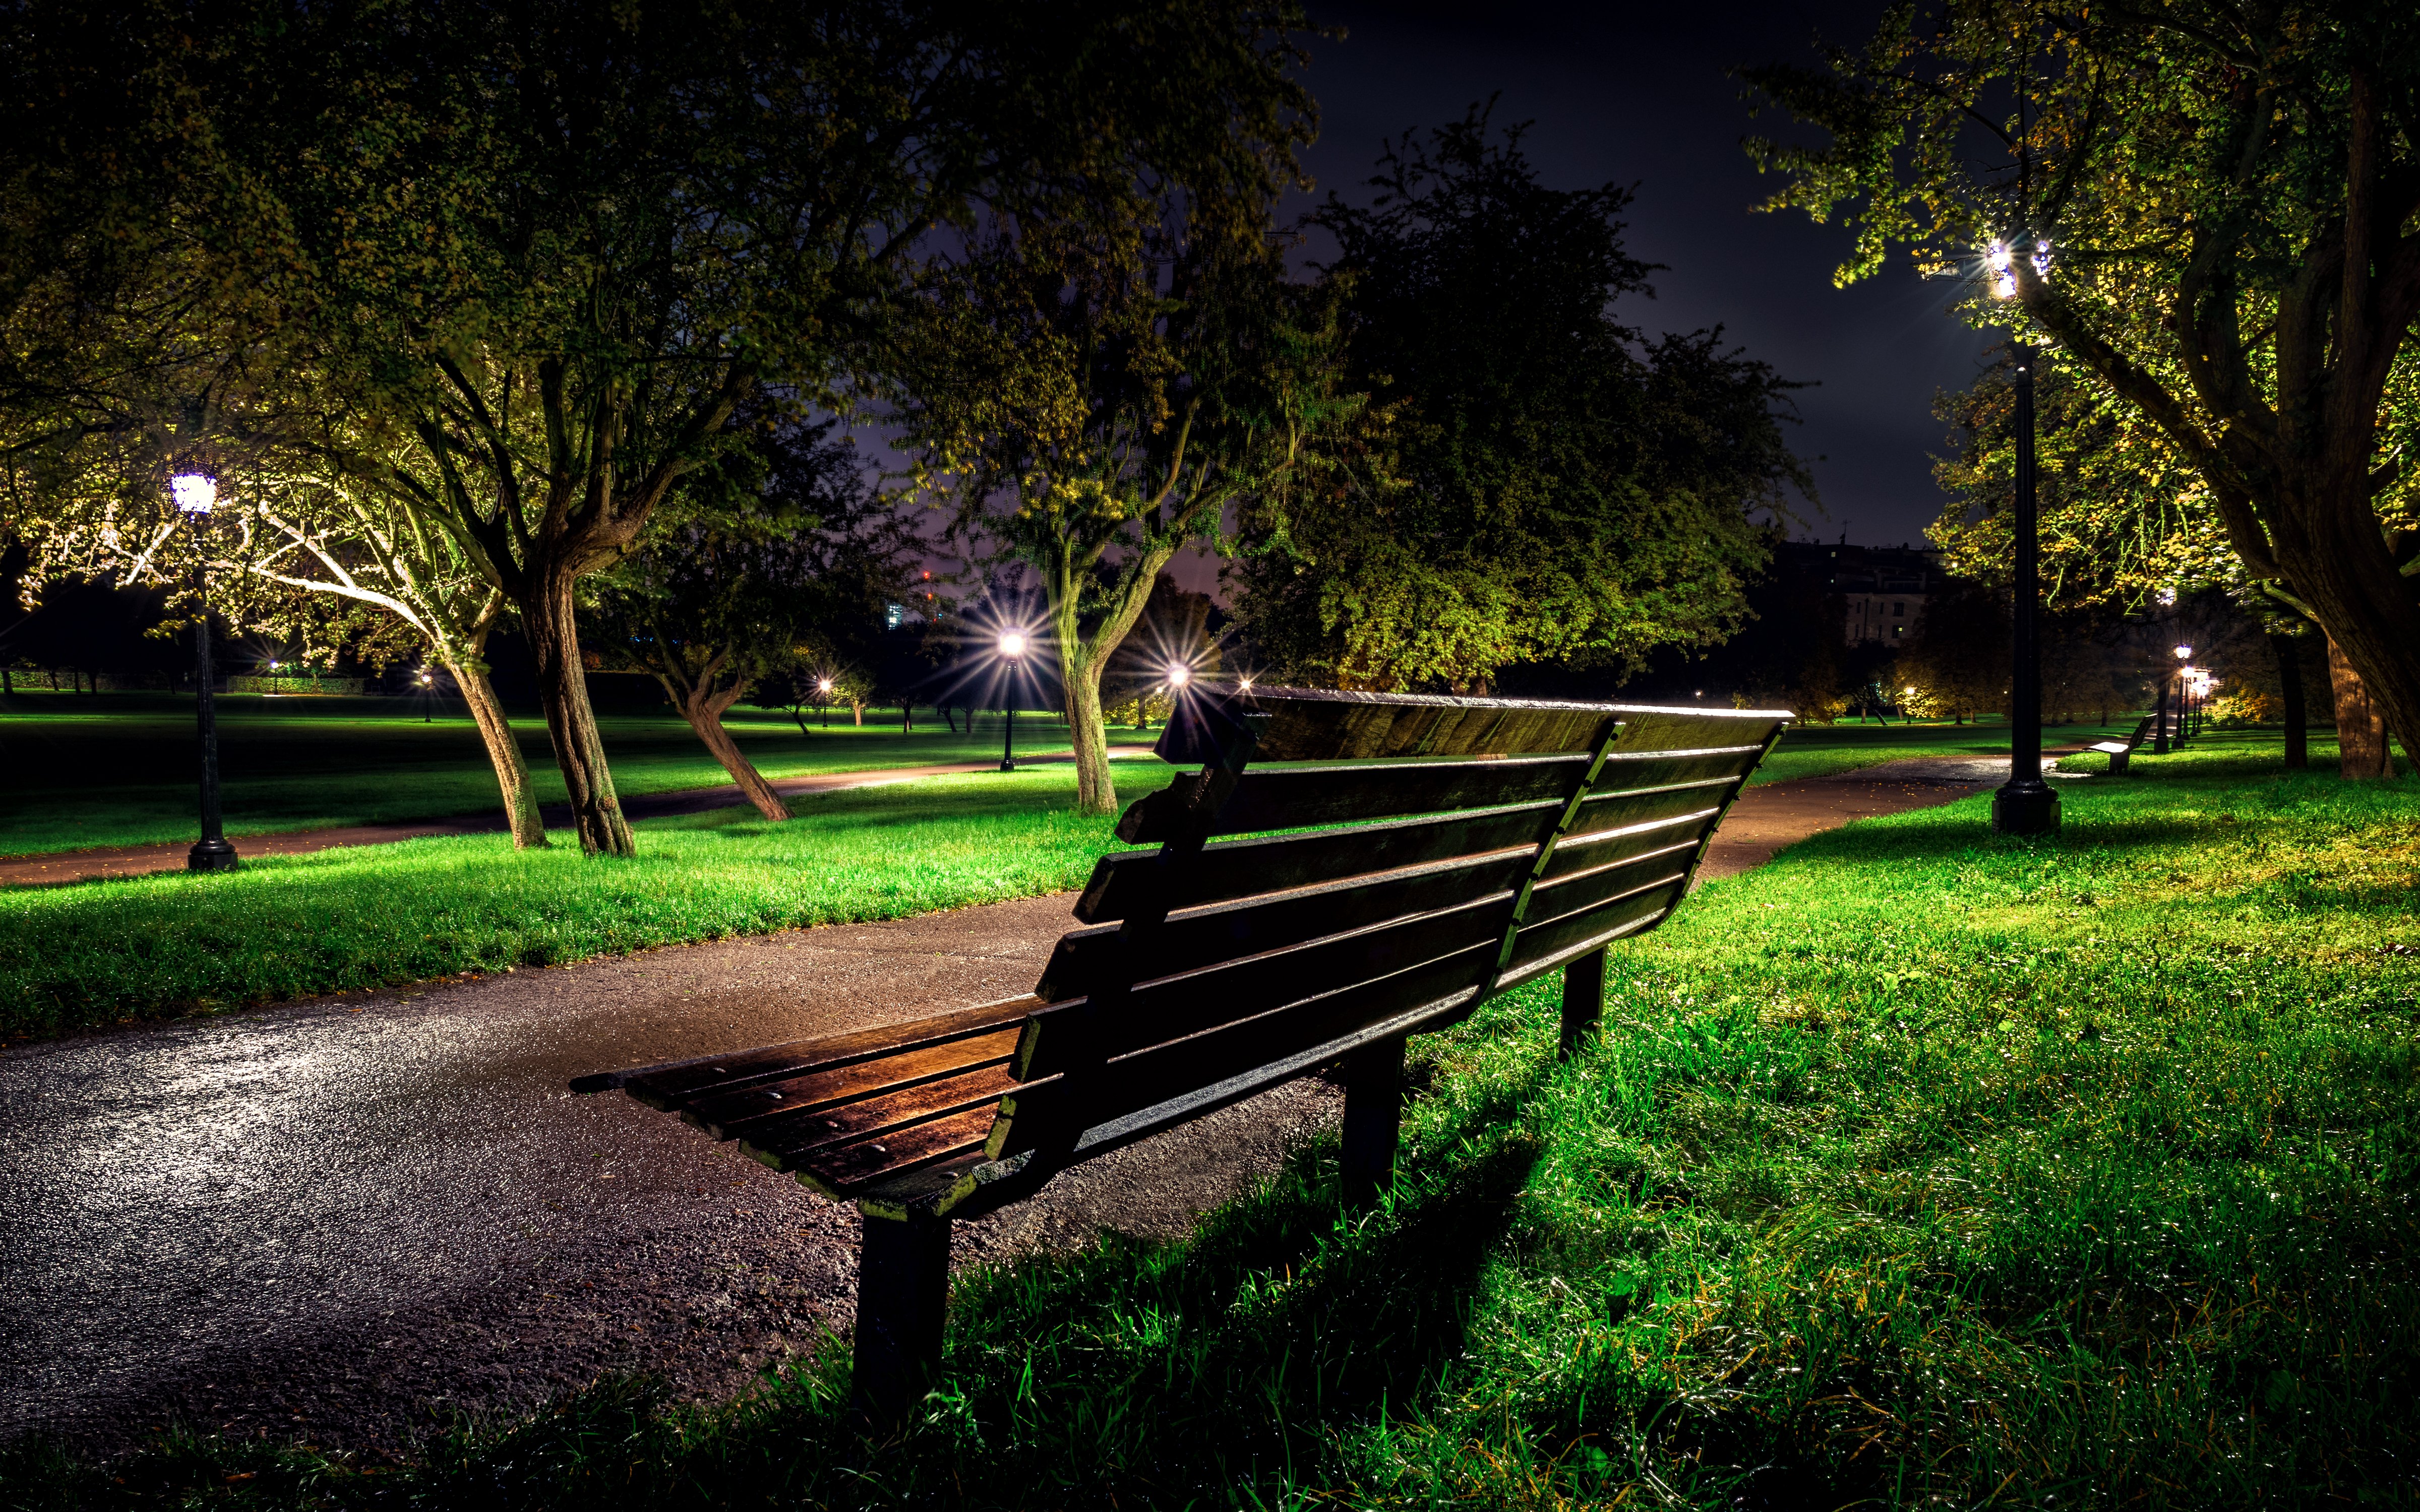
column 1916, row 1168
column 118, row 769
column 283, row 927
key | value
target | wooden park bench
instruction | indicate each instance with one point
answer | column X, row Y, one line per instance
column 2121, row 752
column 1412, row 857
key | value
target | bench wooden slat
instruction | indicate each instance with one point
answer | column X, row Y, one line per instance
column 1299, row 797
column 727, row 1114
column 1227, row 871
column 1230, row 1046
column 1319, row 725
column 674, row 1085
column 833, row 1147
column 1235, row 869
column 845, row 1172
column 1083, row 959
column 1202, row 937
column 1173, row 1007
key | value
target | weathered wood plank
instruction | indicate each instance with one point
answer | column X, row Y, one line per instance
column 1231, row 1047
column 796, row 1136
column 672, row 1087
column 727, row 1113
column 1312, row 724
column 1298, row 798
column 1225, row 931
column 1233, row 869
column 848, row 1170
column 1069, row 1035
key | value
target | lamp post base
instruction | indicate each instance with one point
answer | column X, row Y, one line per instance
column 2025, row 808
column 1008, row 766
column 210, row 856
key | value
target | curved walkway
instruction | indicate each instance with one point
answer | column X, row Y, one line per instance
column 347, row 1219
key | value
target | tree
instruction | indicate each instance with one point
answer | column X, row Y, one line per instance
column 1088, row 406
column 1957, row 662
column 1534, row 481
column 543, row 251
column 763, row 557
column 2207, row 208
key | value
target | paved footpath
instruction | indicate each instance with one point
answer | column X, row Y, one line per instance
column 346, row 1219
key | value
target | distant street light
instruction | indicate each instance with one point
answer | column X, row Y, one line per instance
column 823, row 700
column 1179, row 675
column 428, row 694
column 1012, row 649
column 2184, row 652
column 2027, row 806
column 196, row 495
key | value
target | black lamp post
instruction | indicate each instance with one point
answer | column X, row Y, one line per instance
column 823, row 700
column 2184, row 654
column 428, row 696
column 2028, row 805
column 196, row 495
column 1012, row 650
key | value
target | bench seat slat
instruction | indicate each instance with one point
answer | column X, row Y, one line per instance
column 1233, row 1046
column 845, row 1172
column 672, row 1087
column 1225, row 931
column 729, row 1114
column 1173, row 1007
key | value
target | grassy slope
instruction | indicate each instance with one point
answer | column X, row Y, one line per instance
column 367, row 915
column 1916, row 1168
column 118, row 769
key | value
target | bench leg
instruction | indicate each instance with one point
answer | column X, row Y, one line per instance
column 1374, row 1114
column 903, row 1296
column 2119, row 760
column 1583, row 1000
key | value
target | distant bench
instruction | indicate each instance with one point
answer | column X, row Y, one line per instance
column 2121, row 752
column 1465, row 846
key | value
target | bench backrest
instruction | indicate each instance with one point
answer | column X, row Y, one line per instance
column 1429, row 852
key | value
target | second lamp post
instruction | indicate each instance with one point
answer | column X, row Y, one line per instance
column 2028, row 805
column 194, row 495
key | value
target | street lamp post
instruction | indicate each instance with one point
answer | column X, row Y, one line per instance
column 2184, row 654
column 428, row 696
column 2028, row 805
column 823, row 700
column 1012, row 649
column 194, row 495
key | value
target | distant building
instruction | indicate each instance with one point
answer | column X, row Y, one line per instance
column 1882, row 589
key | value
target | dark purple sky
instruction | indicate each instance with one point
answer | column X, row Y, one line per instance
column 1637, row 94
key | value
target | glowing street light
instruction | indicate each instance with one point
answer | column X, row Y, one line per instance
column 196, row 495
column 2027, row 805
column 823, row 698
column 1012, row 650
column 427, row 681
column 1179, row 675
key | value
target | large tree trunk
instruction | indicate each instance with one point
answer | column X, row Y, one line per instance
column 2335, row 560
column 503, row 753
column 2361, row 725
column 1079, row 681
column 563, row 691
column 2298, row 712
column 704, row 711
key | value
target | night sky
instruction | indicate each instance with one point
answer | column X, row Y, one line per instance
column 1635, row 94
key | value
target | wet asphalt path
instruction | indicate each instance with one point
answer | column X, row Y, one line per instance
column 346, row 1219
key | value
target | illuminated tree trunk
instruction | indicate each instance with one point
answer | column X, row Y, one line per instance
column 704, row 711
column 2361, row 725
column 504, row 752
column 563, row 690
column 1081, row 658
